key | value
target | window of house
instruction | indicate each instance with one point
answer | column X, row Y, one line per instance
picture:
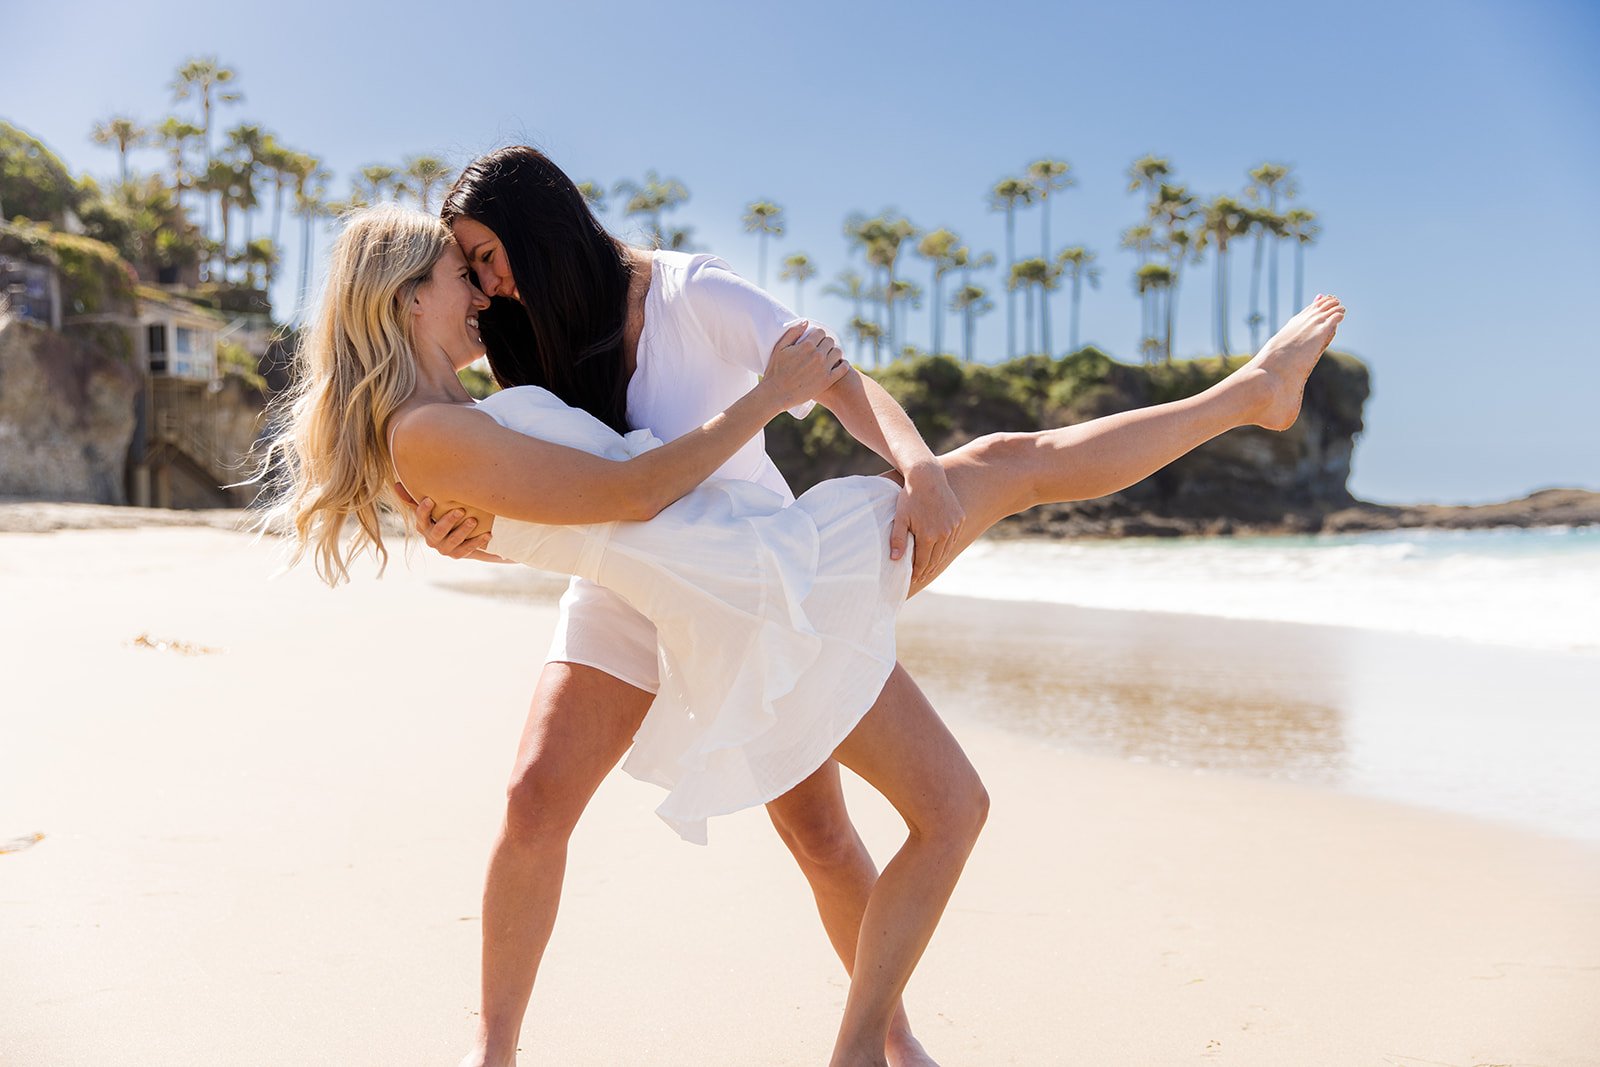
column 156, row 340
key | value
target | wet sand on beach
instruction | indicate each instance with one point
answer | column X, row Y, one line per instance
column 266, row 809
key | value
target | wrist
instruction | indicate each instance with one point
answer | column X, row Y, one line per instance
column 927, row 471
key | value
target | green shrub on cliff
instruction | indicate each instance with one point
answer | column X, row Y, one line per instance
column 34, row 183
column 94, row 279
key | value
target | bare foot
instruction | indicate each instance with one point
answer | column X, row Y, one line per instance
column 903, row 1050
column 1285, row 361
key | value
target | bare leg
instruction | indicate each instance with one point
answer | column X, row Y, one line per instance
column 813, row 822
column 905, row 752
column 1002, row 474
column 581, row 722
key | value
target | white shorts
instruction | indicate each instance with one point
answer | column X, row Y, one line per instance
column 599, row 629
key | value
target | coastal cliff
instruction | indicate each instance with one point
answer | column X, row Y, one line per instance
column 1248, row 480
column 67, row 414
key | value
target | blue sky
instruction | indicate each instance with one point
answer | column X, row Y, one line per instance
column 1449, row 148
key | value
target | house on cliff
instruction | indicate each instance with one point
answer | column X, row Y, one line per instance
column 116, row 392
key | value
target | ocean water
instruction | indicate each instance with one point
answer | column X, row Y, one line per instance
column 1537, row 589
column 1463, row 672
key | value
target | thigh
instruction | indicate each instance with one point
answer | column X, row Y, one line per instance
column 579, row 726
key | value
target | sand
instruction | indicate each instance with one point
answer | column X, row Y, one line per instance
column 266, row 808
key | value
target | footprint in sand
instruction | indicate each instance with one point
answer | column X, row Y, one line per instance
column 17, row 844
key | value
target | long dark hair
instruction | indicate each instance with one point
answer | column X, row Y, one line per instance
column 566, row 333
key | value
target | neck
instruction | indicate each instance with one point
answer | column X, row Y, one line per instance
column 436, row 380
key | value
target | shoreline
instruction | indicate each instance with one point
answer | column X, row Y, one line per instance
column 1091, row 520
column 254, row 826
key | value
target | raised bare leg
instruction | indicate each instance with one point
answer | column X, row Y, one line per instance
column 1002, row 474
column 904, row 751
column 813, row 822
column 581, row 722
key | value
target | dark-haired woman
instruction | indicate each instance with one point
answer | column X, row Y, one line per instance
column 664, row 341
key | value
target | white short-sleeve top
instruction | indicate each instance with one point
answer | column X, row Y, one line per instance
column 707, row 337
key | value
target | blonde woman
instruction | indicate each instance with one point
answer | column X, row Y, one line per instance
column 775, row 623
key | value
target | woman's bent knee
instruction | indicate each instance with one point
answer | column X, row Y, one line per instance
column 956, row 817
column 818, row 836
column 539, row 811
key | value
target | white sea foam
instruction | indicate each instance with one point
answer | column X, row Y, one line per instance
column 1529, row 588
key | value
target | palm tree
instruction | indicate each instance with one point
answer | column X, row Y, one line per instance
column 203, row 77
column 426, row 173
column 868, row 332
column 175, row 135
column 1028, row 275
column 222, row 179
column 1268, row 182
column 649, row 200
column 940, row 247
column 1264, row 225
column 1173, row 210
column 1153, row 279
column 377, row 182
column 260, row 253
column 278, row 161
column 123, row 132
column 594, row 194
column 906, row 292
column 1048, row 175
column 850, row 285
column 1007, row 194
column 310, row 203
column 1141, row 238
column 1077, row 263
column 1301, row 225
column 1224, row 220
column 881, row 237
column 800, row 270
column 244, row 198
column 970, row 301
column 1147, row 173
column 764, row 219
column 247, row 143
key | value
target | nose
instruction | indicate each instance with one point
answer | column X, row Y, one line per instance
column 479, row 299
column 499, row 283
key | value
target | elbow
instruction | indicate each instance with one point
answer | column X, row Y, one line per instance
column 645, row 502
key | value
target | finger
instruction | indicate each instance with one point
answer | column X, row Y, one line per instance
column 792, row 334
column 400, row 491
column 898, row 528
column 479, row 543
column 460, row 535
column 422, row 514
column 438, row 534
column 838, row 370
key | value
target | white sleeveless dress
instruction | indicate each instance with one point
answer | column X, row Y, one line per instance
column 775, row 625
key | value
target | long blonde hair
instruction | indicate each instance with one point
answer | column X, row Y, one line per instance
column 355, row 365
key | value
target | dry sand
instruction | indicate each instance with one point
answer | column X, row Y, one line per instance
column 265, row 826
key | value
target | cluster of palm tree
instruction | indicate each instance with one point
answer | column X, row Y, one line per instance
column 1177, row 231
column 230, row 180
column 1178, row 228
